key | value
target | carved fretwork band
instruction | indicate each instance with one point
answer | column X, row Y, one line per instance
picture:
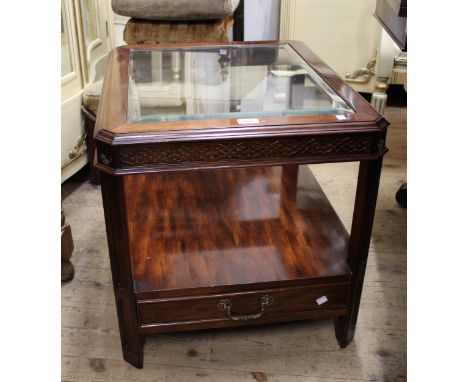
column 249, row 149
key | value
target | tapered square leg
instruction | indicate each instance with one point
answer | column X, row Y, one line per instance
column 134, row 355
column 361, row 231
column 131, row 341
column 117, row 240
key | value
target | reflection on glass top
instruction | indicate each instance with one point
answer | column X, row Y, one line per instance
column 230, row 81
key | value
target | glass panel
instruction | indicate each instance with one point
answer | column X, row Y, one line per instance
column 89, row 18
column 66, row 51
column 225, row 82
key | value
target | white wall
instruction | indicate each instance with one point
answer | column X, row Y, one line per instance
column 261, row 19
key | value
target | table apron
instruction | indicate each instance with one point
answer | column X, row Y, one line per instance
column 176, row 156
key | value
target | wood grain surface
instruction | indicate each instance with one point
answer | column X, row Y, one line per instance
column 223, row 230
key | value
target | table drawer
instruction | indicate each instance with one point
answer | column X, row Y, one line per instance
column 258, row 305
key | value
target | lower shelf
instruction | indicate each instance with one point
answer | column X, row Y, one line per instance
column 233, row 230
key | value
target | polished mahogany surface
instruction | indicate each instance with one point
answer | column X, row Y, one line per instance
column 227, row 228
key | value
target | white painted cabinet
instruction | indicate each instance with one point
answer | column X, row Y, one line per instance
column 84, row 43
column 346, row 35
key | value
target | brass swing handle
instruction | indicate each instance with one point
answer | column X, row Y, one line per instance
column 226, row 305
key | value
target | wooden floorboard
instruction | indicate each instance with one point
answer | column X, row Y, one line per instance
column 297, row 352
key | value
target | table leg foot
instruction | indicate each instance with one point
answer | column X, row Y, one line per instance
column 130, row 339
column 344, row 332
column 400, row 196
column 67, row 271
column 133, row 351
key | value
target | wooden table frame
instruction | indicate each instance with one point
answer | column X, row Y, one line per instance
column 288, row 141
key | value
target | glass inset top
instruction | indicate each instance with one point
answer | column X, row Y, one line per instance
column 225, row 81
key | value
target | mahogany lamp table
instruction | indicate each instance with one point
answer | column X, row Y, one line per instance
column 212, row 218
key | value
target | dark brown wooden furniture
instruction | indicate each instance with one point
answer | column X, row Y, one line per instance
column 391, row 14
column 211, row 221
column 67, row 249
column 89, row 124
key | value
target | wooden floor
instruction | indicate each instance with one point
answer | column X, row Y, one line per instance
column 299, row 352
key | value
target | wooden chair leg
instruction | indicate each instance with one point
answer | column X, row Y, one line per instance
column 90, row 122
column 67, row 249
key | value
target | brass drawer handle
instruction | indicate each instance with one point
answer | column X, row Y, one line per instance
column 226, row 305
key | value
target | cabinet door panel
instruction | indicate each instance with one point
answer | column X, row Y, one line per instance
column 94, row 28
column 73, row 145
column 73, row 156
column 85, row 41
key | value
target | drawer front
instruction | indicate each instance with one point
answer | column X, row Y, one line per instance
column 244, row 306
